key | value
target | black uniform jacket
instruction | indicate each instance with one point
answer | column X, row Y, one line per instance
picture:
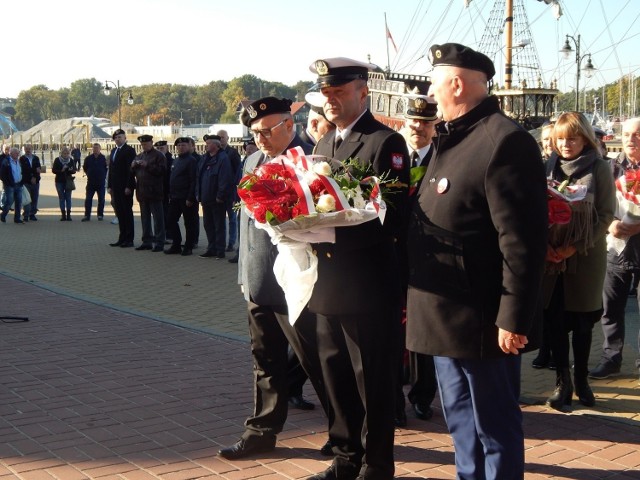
column 361, row 272
column 120, row 176
column 477, row 239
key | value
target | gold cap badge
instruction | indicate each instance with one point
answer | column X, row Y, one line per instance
column 321, row 67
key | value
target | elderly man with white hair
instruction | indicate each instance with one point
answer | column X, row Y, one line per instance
column 620, row 267
column 477, row 243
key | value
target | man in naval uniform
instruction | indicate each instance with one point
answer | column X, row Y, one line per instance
column 358, row 295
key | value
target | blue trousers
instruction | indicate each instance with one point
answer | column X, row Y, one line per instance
column 12, row 195
column 480, row 403
column 64, row 197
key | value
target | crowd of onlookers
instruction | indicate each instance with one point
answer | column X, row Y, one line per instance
column 206, row 186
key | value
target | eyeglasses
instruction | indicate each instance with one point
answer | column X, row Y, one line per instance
column 267, row 132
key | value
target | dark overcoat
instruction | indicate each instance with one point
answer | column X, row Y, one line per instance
column 364, row 255
column 477, row 239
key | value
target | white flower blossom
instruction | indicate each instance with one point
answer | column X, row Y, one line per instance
column 322, row 168
column 358, row 199
column 326, row 203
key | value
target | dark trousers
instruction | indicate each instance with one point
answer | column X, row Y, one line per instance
column 177, row 208
column 617, row 284
column 34, row 191
column 88, row 199
column 358, row 358
column 578, row 324
column 148, row 209
column 480, row 405
column 296, row 376
column 271, row 334
column 424, row 383
column 214, row 226
column 123, row 206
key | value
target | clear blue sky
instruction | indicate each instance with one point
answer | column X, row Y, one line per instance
column 196, row 41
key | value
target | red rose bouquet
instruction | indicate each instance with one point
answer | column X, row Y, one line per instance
column 300, row 200
column 628, row 207
column 566, row 214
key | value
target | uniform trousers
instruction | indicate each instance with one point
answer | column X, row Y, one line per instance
column 271, row 334
column 617, row 284
column 359, row 365
column 480, row 405
column 123, row 206
column 177, row 208
column 148, row 209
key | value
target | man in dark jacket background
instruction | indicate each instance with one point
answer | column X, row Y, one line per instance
column 120, row 187
column 95, row 168
column 214, row 188
column 148, row 169
column 182, row 198
column 31, row 168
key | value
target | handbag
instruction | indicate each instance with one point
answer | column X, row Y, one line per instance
column 26, row 196
column 70, row 185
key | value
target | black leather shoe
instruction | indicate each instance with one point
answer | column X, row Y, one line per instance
column 207, row 254
column 300, row 403
column 186, row 252
column 234, row 259
column 401, row 418
column 144, row 247
column 115, row 244
column 248, row 446
column 173, row 250
column 327, row 449
column 126, row 245
column 339, row 470
column 158, row 248
column 423, row 412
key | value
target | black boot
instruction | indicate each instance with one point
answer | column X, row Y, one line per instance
column 543, row 358
column 68, row 215
column 583, row 391
column 63, row 218
column 564, row 390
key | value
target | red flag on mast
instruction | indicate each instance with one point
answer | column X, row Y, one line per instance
column 390, row 37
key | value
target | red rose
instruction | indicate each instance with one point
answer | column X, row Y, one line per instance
column 559, row 212
column 281, row 212
column 316, row 187
column 260, row 213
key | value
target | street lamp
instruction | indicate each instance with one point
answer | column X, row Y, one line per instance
column 107, row 91
column 588, row 68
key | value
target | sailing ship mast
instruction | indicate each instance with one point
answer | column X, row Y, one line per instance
column 528, row 101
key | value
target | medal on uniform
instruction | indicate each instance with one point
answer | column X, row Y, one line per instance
column 443, row 185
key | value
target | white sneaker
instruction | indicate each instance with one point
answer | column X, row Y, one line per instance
column 115, row 221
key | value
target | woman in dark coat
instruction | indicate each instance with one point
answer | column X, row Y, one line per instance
column 576, row 255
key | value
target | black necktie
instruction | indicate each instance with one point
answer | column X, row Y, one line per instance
column 337, row 144
column 414, row 158
column 116, row 153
